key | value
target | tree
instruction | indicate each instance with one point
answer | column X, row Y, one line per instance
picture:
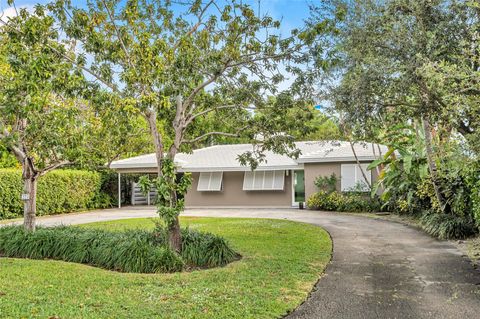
column 456, row 79
column 117, row 131
column 7, row 160
column 323, row 126
column 385, row 52
column 179, row 63
column 39, row 121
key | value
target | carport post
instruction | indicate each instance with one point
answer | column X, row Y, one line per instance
column 119, row 190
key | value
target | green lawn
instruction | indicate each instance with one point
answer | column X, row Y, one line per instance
column 281, row 262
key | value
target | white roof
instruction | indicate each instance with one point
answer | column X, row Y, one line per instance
column 339, row 151
column 225, row 157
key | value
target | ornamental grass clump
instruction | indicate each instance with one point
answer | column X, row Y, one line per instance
column 447, row 226
column 200, row 249
column 137, row 251
column 205, row 249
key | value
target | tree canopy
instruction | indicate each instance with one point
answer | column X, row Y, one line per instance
column 185, row 66
column 405, row 73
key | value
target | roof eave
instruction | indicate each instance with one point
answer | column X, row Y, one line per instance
column 335, row 159
column 240, row 168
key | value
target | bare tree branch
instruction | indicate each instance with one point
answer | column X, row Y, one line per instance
column 194, row 27
column 192, row 117
column 210, row 134
column 200, row 87
column 52, row 167
column 124, row 48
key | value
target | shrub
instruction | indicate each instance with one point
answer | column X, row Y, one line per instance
column 326, row 183
column 137, row 251
column 476, row 204
column 447, row 226
column 343, row 202
column 205, row 249
column 129, row 251
column 59, row 191
column 199, row 249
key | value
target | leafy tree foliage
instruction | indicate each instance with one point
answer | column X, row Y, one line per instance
column 323, row 127
column 39, row 121
column 180, row 63
column 7, row 160
column 408, row 74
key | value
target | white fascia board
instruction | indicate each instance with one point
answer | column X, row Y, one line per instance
column 132, row 165
column 140, row 165
column 335, row 159
column 239, row 168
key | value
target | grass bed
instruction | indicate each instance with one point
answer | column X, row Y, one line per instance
column 281, row 262
column 138, row 251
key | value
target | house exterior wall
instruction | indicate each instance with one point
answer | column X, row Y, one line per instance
column 233, row 195
column 313, row 170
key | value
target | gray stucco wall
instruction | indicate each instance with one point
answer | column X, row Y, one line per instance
column 313, row 170
column 233, row 195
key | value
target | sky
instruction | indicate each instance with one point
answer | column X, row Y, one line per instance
column 292, row 13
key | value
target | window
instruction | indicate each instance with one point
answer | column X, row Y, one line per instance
column 263, row 180
column 351, row 177
column 210, row 182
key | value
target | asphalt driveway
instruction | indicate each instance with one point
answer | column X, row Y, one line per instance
column 379, row 269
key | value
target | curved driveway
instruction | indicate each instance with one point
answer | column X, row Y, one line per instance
column 379, row 269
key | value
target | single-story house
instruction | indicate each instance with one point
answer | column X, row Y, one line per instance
column 220, row 181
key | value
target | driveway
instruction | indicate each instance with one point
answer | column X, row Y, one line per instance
column 379, row 269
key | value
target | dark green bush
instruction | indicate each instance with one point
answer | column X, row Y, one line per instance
column 205, row 249
column 130, row 251
column 136, row 251
column 343, row 202
column 60, row 191
column 326, row 183
column 447, row 226
column 200, row 249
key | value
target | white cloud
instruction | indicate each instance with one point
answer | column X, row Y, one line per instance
column 10, row 12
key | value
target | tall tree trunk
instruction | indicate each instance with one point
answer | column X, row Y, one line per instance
column 377, row 168
column 359, row 164
column 174, row 233
column 174, row 236
column 30, row 191
column 151, row 117
column 431, row 162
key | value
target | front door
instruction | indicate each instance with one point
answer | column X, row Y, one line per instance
column 298, row 187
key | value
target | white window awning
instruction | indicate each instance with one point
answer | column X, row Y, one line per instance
column 264, row 180
column 210, row 182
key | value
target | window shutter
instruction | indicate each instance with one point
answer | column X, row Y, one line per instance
column 348, row 176
column 264, row 180
column 248, row 181
column 279, row 180
column 216, row 181
column 210, row 181
column 269, row 180
column 258, row 179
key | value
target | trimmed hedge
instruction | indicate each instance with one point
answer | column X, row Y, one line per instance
column 343, row 202
column 60, row 191
column 138, row 251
